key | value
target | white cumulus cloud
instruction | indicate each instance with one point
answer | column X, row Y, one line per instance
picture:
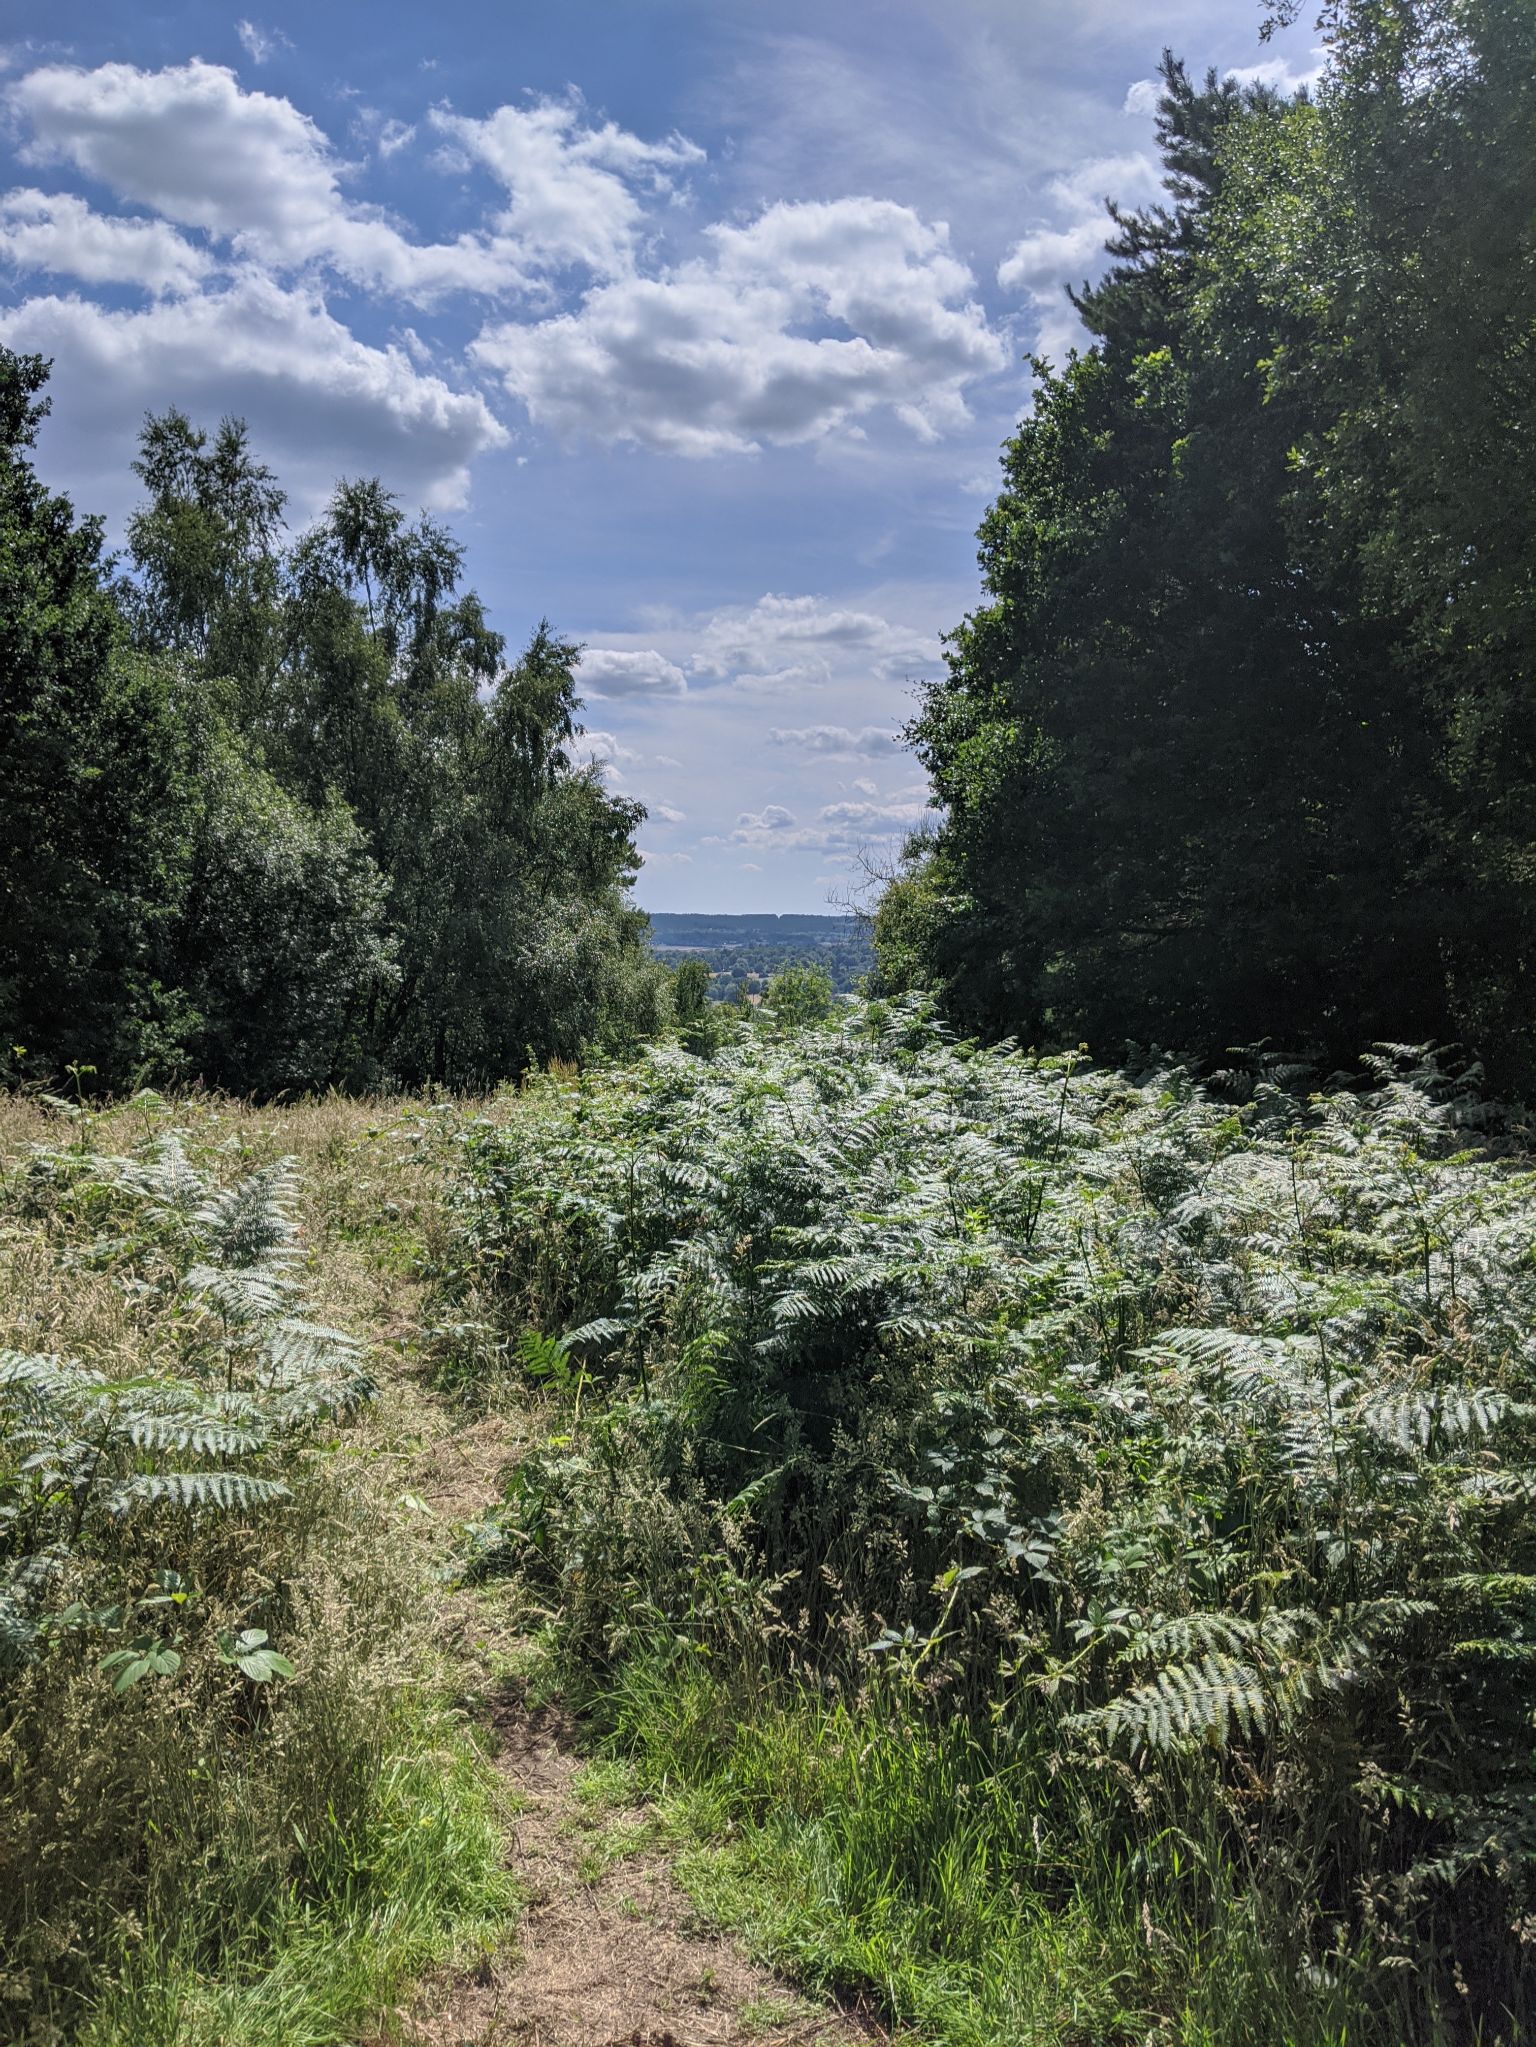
column 1143, row 95
column 62, row 235
column 895, row 813
column 629, row 672
column 320, row 401
column 248, row 167
column 1064, row 251
column 843, row 742
column 754, row 827
column 571, row 187
column 780, row 641
column 802, row 321
column 842, row 827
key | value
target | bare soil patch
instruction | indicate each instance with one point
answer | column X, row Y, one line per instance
column 610, row 1951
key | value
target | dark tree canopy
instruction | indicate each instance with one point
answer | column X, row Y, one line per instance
column 278, row 812
column 1242, row 742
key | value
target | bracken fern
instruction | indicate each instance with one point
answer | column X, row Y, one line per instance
column 1192, row 1424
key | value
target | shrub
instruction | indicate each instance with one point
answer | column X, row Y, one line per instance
column 1181, row 1444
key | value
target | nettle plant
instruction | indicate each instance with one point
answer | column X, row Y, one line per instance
column 1185, row 1431
column 108, row 1471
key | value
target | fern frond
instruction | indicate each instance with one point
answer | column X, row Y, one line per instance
column 196, row 1491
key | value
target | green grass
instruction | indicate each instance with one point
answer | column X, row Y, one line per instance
column 868, row 1851
column 419, row 1882
column 187, row 1864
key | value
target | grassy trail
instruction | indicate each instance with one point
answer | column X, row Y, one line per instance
column 608, row 1949
column 584, row 1938
column 709, row 1378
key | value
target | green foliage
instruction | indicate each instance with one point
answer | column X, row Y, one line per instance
column 1238, row 745
column 699, row 1029
column 797, row 996
column 96, row 786
column 281, row 817
column 1181, row 1442
column 232, row 1809
column 284, row 939
column 92, row 1463
column 498, row 924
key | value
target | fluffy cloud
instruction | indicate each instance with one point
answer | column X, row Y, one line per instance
column 62, row 235
column 190, row 142
column 637, row 672
column 323, row 402
column 607, row 752
column 839, row 827
column 245, row 166
column 249, row 215
column 571, row 188
column 1142, row 97
column 729, row 350
column 780, row 642
column 896, row 813
column 836, row 741
column 754, row 828
column 1041, row 264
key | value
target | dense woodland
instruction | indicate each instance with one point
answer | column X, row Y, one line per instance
column 1241, row 744
column 278, row 813
column 1039, row 1543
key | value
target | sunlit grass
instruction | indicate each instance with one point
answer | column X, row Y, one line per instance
column 183, row 1877
column 868, row 1851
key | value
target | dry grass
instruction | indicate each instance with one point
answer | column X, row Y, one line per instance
column 155, row 1836
column 610, row 1949
column 190, row 1814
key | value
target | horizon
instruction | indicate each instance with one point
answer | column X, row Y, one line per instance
column 825, row 916
column 700, row 326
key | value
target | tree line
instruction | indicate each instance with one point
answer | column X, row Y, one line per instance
column 279, row 814
column 1241, row 741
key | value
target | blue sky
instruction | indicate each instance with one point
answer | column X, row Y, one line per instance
column 701, row 322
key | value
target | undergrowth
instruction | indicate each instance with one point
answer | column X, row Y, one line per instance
column 235, row 1807
column 1072, row 1532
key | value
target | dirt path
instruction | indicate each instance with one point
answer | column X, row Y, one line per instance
column 609, row 1951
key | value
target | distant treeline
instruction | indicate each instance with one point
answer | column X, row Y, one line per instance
column 751, row 949
column 278, row 813
column 1241, row 742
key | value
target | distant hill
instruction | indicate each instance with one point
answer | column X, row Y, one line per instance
column 752, row 948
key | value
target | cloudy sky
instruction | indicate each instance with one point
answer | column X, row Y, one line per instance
column 701, row 320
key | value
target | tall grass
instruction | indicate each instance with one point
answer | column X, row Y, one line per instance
column 235, row 1805
column 865, row 1843
column 1076, row 1528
